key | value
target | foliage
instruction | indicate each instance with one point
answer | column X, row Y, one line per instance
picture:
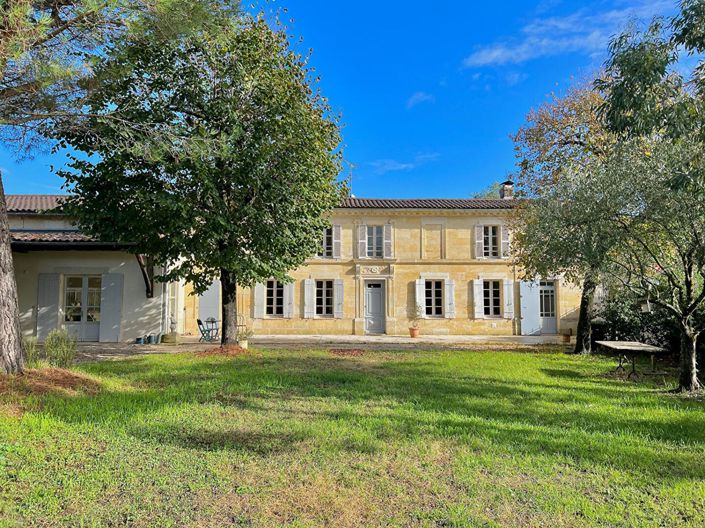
column 398, row 438
column 649, row 90
column 236, row 160
column 60, row 348
column 32, row 356
column 566, row 131
column 418, row 314
column 48, row 48
column 622, row 318
column 491, row 191
column 245, row 334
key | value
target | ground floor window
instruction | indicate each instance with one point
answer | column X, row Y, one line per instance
column 82, row 298
column 492, row 300
column 324, row 298
column 275, row 298
column 434, row 298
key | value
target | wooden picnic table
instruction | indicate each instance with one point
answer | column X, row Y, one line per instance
column 629, row 351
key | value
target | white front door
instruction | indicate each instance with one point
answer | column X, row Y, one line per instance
column 547, row 303
column 82, row 295
column 374, row 307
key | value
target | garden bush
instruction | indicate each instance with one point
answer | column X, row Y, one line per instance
column 31, row 352
column 60, row 348
column 621, row 319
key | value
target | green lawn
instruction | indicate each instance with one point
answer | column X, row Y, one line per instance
column 306, row 438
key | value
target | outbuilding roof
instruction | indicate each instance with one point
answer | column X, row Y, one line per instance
column 49, row 236
column 33, row 203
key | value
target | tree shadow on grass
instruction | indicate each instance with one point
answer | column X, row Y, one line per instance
column 577, row 415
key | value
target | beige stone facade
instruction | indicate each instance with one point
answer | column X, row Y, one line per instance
column 426, row 254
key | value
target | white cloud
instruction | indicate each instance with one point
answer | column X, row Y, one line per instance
column 419, row 98
column 583, row 31
column 383, row 166
column 514, row 78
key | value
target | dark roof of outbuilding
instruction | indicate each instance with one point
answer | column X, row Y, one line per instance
column 50, row 236
column 428, row 203
column 33, row 203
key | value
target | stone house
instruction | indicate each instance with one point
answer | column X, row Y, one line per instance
column 384, row 260
column 382, row 264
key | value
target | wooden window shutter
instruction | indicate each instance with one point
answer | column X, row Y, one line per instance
column 47, row 304
column 420, row 297
column 258, row 301
column 478, row 299
column 309, row 298
column 362, row 241
column 388, row 248
column 505, row 241
column 449, row 300
column 508, row 299
column 479, row 241
column 337, row 241
column 338, row 298
column 110, row 307
column 288, row 300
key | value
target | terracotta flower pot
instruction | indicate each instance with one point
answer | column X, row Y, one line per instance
column 414, row 332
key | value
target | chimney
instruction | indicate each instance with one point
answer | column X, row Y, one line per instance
column 506, row 190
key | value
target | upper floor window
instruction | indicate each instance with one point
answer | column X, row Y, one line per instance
column 324, row 298
column 492, row 300
column 274, row 298
column 327, row 247
column 375, row 241
column 434, row 298
column 490, row 241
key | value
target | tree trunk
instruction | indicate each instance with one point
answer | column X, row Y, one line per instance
column 228, row 285
column 583, row 338
column 11, row 353
column 688, row 381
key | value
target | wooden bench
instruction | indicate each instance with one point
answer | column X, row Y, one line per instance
column 629, row 351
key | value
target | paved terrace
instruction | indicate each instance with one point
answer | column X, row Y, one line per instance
column 112, row 351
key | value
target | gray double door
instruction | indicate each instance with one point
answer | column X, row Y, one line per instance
column 88, row 306
column 374, row 307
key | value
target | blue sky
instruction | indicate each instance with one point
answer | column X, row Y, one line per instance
column 430, row 93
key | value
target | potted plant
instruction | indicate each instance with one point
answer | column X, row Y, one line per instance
column 418, row 315
column 243, row 336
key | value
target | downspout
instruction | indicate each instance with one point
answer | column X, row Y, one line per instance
column 515, row 321
column 164, row 307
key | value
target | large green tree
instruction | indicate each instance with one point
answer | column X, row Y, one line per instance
column 654, row 83
column 563, row 136
column 46, row 53
column 652, row 233
column 233, row 168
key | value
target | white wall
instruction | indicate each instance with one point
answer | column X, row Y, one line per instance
column 140, row 315
column 40, row 222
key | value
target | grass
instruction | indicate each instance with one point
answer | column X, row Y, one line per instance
column 307, row 438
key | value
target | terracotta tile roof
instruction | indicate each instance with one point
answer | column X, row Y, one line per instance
column 32, row 203
column 428, row 203
column 35, row 203
column 49, row 236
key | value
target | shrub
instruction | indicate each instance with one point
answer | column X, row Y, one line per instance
column 31, row 352
column 622, row 319
column 60, row 348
